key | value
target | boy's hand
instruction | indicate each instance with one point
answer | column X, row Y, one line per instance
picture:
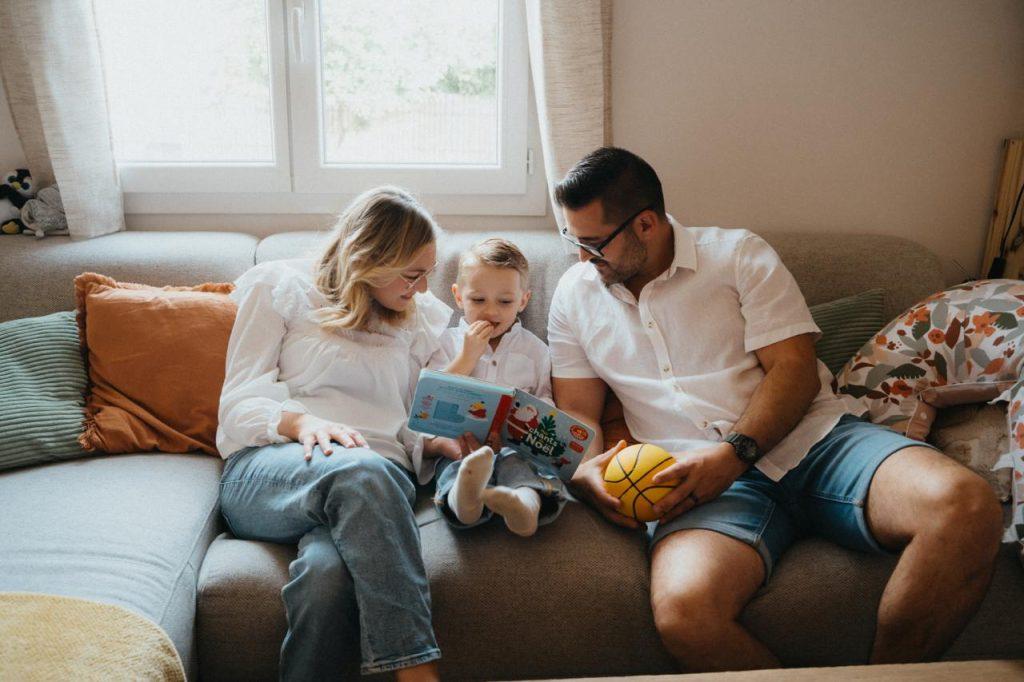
column 476, row 339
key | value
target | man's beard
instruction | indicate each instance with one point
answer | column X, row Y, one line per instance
column 633, row 258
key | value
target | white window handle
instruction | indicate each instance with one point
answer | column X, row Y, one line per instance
column 296, row 17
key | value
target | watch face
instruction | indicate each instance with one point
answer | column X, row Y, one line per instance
column 746, row 447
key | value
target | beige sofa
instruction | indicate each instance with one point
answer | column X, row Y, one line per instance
column 571, row 601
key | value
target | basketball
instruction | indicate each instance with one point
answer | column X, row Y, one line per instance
column 628, row 477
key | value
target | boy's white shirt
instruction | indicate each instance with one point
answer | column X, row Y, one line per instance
column 521, row 360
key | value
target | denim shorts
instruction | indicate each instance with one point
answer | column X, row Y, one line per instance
column 824, row 495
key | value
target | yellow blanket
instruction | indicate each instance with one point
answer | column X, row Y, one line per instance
column 47, row 637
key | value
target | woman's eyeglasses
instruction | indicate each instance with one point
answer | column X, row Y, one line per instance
column 411, row 282
column 597, row 250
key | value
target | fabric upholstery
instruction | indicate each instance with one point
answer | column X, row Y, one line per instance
column 846, row 324
column 43, row 270
column 42, row 381
column 129, row 530
column 155, row 358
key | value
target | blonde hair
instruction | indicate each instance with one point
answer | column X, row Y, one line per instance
column 374, row 239
column 498, row 253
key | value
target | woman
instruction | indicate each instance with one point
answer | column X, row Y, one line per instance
column 327, row 353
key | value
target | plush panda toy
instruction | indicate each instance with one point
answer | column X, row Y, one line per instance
column 17, row 188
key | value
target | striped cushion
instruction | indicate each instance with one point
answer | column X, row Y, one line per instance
column 42, row 379
column 846, row 324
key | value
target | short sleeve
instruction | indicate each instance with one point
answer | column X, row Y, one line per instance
column 568, row 358
column 771, row 302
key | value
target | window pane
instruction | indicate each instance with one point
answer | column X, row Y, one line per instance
column 187, row 80
column 410, row 81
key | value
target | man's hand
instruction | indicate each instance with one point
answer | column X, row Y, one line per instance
column 588, row 483
column 702, row 475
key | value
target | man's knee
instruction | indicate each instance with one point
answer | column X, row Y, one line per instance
column 688, row 617
column 962, row 506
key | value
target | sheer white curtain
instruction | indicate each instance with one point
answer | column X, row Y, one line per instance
column 570, row 59
column 50, row 59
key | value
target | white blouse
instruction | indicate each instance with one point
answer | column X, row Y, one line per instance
column 521, row 360
column 279, row 359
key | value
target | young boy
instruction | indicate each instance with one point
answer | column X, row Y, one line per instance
column 491, row 289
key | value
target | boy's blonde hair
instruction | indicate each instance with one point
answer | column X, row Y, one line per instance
column 498, row 253
column 374, row 239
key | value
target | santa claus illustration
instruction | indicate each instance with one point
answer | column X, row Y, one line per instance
column 522, row 420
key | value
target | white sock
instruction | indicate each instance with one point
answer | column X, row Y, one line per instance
column 520, row 507
column 466, row 496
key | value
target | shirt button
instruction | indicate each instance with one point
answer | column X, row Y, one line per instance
column 494, row 362
column 650, row 325
column 703, row 425
column 666, row 369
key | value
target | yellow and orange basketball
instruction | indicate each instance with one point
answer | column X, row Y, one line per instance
column 628, row 477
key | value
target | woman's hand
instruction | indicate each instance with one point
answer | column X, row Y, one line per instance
column 312, row 431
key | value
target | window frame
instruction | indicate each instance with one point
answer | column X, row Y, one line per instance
column 296, row 182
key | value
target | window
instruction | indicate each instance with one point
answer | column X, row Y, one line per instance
column 293, row 105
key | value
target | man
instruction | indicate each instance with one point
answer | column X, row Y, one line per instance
column 707, row 341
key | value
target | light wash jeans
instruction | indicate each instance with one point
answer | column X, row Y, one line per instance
column 359, row 553
column 511, row 470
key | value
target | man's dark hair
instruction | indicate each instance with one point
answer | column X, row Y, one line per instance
column 623, row 182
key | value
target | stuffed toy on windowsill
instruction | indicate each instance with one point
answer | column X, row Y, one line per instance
column 44, row 214
column 17, row 188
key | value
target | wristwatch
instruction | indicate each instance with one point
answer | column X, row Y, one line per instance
column 745, row 447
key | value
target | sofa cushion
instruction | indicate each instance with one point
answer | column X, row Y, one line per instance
column 854, row 263
column 821, row 606
column 846, row 323
column 42, row 379
column 41, row 271
column 572, row 600
column 545, row 252
column 156, row 358
column 129, row 530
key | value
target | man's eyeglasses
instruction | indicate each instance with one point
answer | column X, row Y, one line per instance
column 597, row 250
column 411, row 282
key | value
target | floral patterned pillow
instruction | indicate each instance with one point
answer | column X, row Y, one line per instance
column 958, row 346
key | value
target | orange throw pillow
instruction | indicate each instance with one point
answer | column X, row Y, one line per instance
column 155, row 357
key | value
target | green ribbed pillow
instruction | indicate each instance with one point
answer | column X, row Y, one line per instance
column 846, row 324
column 42, row 380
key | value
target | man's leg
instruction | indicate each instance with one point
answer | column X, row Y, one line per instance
column 948, row 523
column 700, row 582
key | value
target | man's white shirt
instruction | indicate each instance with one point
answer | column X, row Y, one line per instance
column 681, row 358
column 521, row 360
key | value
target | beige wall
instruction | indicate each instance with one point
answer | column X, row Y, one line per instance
column 882, row 116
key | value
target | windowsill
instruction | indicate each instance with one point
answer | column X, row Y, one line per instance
column 532, row 203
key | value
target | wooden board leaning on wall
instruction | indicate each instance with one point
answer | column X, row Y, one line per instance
column 1009, row 241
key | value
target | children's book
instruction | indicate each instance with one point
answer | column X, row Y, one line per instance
column 450, row 405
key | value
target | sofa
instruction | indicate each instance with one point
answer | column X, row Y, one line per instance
column 143, row 530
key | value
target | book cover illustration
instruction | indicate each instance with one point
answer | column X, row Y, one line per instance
column 449, row 405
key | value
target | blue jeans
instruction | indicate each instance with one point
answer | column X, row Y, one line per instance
column 359, row 552
column 511, row 470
